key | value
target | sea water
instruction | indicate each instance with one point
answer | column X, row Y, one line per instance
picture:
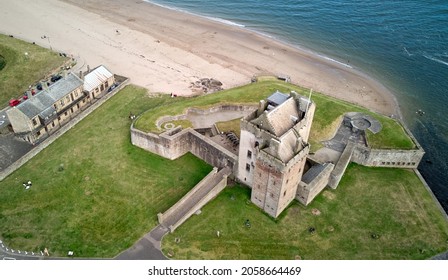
column 402, row 44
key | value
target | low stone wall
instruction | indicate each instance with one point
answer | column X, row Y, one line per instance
column 341, row 165
column 210, row 152
column 24, row 159
column 162, row 217
column 387, row 158
column 171, row 144
column 207, row 189
column 177, row 142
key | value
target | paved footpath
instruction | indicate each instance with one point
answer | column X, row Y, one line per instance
column 147, row 248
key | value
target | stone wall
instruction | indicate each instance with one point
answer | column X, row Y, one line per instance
column 171, row 144
column 307, row 192
column 341, row 165
column 164, row 217
column 177, row 142
column 207, row 189
column 387, row 158
column 211, row 152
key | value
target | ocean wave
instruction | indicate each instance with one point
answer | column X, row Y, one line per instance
column 435, row 59
column 333, row 60
column 225, row 21
column 407, row 52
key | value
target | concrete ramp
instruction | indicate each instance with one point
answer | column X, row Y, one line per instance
column 341, row 165
column 207, row 189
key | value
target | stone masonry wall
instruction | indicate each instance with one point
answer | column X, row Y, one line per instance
column 387, row 158
column 177, row 142
column 307, row 192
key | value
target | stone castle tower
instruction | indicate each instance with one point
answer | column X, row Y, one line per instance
column 273, row 150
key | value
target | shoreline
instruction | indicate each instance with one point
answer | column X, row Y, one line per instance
column 165, row 50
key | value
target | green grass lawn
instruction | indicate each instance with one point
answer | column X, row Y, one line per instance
column 327, row 117
column 93, row 191
column 20, row 70
column 390, row 204
column 230, row 126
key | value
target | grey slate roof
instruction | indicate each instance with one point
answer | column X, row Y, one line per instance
column 312, row 173
column 42, row 102
column 277, row 98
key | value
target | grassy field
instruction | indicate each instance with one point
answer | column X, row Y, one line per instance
column 327, row 117
column 376, row 213
column 93, row 191
column 22, row 70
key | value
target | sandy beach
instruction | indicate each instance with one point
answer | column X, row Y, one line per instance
column 165, row 50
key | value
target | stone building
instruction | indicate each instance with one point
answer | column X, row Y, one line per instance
column 97, row 81
column 273, row 150
column 47, row 110
column 43, row 113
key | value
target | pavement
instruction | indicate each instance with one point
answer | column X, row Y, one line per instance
column 4, row 121
column 12, row 149
column 147, row 248
column 343, row 136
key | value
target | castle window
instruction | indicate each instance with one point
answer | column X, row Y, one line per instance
column 38, row 133
column 34, row 122
column 413, row 163
column 249, row 154
column 284, row 194
column 383, row 163
column 272, row 195
column 247, row 167
column 287, row 180
column 257, row 144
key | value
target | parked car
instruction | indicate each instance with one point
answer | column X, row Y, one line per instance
column 55, row 78
column 112, row 87
column 14, row 102
column 39, row 86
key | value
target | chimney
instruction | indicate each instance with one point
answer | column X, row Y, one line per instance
column 261, row 107
column 81, row 75
column 88, row 69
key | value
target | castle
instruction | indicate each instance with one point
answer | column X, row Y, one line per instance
column 273, row 150
column 272, row 154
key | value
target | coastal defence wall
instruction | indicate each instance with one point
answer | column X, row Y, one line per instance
column 176, row 142
column 387, row 158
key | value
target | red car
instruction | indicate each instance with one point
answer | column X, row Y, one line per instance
column 14, row 102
